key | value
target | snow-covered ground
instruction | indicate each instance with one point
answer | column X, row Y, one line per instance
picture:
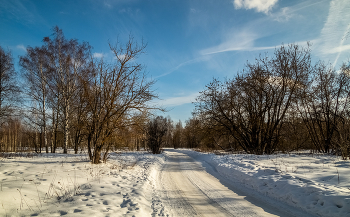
column 318, row 184
column 69, row 185
column 127, row 185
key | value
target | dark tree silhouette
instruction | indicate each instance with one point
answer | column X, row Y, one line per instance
column 156, row 130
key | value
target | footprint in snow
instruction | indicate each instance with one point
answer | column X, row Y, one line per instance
column 62, row 212
column 77, row 210
column 130, row 204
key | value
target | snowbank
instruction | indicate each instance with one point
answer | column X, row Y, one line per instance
column 317, row 184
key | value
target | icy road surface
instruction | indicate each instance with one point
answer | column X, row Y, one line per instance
column 188, row 190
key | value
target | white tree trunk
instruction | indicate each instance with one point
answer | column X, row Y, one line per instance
column 43, row 87
column 66, row 126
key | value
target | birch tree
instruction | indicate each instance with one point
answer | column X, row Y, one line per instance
column 36, row 74
column 67, row 59
column 9, row 90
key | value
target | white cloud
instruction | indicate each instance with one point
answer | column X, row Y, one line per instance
column 286, row 13
column 339, row 49
column 98, row 55
column 259, row 5
column 333, row 35
column 181, row 65
column 283, row 15
column 242, row 40
column 121, row 57
column 245, row 39
column 180, row 100
column 107, row 4
column 21, row 47
column 112, row 3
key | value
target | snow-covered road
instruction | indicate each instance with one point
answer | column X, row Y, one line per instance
column 186, row 189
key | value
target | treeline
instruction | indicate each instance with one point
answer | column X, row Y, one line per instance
column 65, row 98
column 279, row 103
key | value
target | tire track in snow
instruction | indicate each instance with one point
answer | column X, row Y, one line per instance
column 172, row 195
column 187, row 190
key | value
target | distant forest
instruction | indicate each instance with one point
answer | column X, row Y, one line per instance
column 68, row 99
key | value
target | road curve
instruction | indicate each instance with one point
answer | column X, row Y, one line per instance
column 186, row 189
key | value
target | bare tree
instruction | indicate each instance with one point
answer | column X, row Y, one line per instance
column 9, row 90
column 33, row 64
column 170, row 133
column 295, row 134
column 192, row 134
column 251, row 107
column 67, row 59
column 77, row 119
column 178, row 135
column 113, row 94
column 324, row 107
column 138, row 125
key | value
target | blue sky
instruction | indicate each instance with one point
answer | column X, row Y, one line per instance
column 189, row 42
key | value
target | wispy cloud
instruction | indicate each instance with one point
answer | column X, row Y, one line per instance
column 23, row 12
column 242, row 40
column 21, row 47
column 339, row 49
column 179, row 100
column 112, row 3
column 283, row 15
column 334, row 38
column 333, row 35
column 347, row 34
column 107, row 4
column 286, row 13
column 259, row 5
column 98, row 55
column 188, row 62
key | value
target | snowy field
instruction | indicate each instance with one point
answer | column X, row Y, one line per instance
column 68, row 185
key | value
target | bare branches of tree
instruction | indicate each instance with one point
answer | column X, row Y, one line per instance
column 252, row 106
column 35, row 72
column 113, row 93
column 324, row 107
column 66, row 61
column 9, row 90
